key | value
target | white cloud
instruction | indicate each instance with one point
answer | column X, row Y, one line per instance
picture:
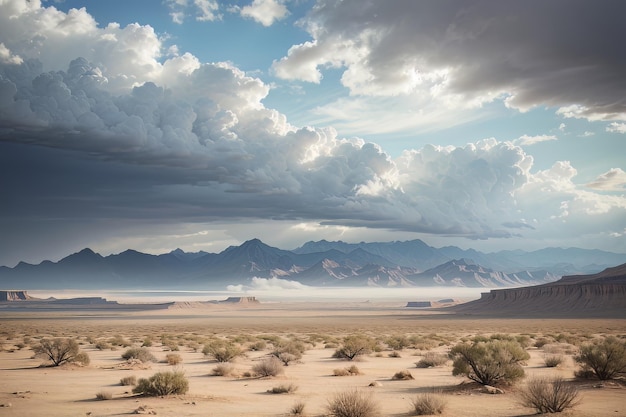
column 526, row 140
column 562, row 127
column 616, row 127
column 266, row 12
column 203, row 10
column 612, row 180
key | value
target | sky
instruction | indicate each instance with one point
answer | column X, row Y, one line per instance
column 199, row 124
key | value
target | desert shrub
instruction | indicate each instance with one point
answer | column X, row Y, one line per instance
column 60, row 351
column 352, row 403
column 549, row 396
column 395, row 354
column 268, row 367
column 222, row 350
column 258, row 345
column 104, row 395
column 354, row 346
column 350, row 370
column 432, row 359
column 103, row 345
column 224, row 369
column 606, row 358
column 128, row 380
column 541, row 342
column 491, row 362
column 552, row 361
column 142, row 354
column 163, row 383
column 422, row 342
column 402, row 376
column 398, row 342
column 289, row 352
column 297, row 409
column 147, row 342
column 119, row 341
column 173, row 359
column 283, row 389
column 429, row 403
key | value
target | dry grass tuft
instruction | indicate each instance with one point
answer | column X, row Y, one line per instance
column 352, row 403
column 402, row 376
column 428, row 404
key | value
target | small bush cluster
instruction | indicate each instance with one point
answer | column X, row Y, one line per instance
column 283, row 389
column 350, row 370
column 268, row 367
column 549, row 396
column 431, row 360
column 142, row 354
column 128, row 380
column 427, row 404
column 222, row 350
column 402, row 376
column 163, row 383
column 289, row 352
column 173, row 359
column 352, row 404
column 552, row 361
column 354, row 346
column 605, row 359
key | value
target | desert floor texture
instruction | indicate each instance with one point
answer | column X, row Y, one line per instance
column 29, row 389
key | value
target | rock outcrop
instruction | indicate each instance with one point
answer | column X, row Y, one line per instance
column 598, row 295
column 14, row 296
column 241, row 300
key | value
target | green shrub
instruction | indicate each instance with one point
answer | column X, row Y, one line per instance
column 427, row 404
column 549, row 396
column 431, row 360
column 222, row 350
column 354, row 346
column 352, row 404
column 606, row 358
column 289, row 352
column 142, row 354
column 491, row 362
column 163, row 383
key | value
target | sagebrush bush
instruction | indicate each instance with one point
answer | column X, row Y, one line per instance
column 224, row 369
column 398, row 342
column 490, row 362
column 431, row 360
column 552, row 361
column 222, row 350
column 128, row 380
column 352, row 403
column 297, row 409
column 163, row 383
column 549, row 395
column 104, row 395
column 289, row 352
column 429, row 403
column 268, row 367
column 173, row 359
column 142, row 354
column 283, row 389
column 605, row 358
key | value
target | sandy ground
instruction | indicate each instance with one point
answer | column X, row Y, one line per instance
column 26, row 389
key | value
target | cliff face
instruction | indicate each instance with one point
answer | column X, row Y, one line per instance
column 602, row 295
column 14, row 296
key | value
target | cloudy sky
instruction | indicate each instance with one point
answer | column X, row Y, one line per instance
column 200, row 124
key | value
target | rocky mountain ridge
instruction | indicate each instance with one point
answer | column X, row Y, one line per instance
column 387, row 264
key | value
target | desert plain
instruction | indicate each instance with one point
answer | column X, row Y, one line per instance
column 30, row 388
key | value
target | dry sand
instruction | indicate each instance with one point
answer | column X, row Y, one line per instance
column 26, row 389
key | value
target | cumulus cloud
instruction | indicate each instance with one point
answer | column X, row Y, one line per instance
column 471, row 52
column 266, row 12
column 612, row 180
column 100, row 132
column 616, row 127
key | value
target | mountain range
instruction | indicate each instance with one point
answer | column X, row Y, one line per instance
column 322, row 263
